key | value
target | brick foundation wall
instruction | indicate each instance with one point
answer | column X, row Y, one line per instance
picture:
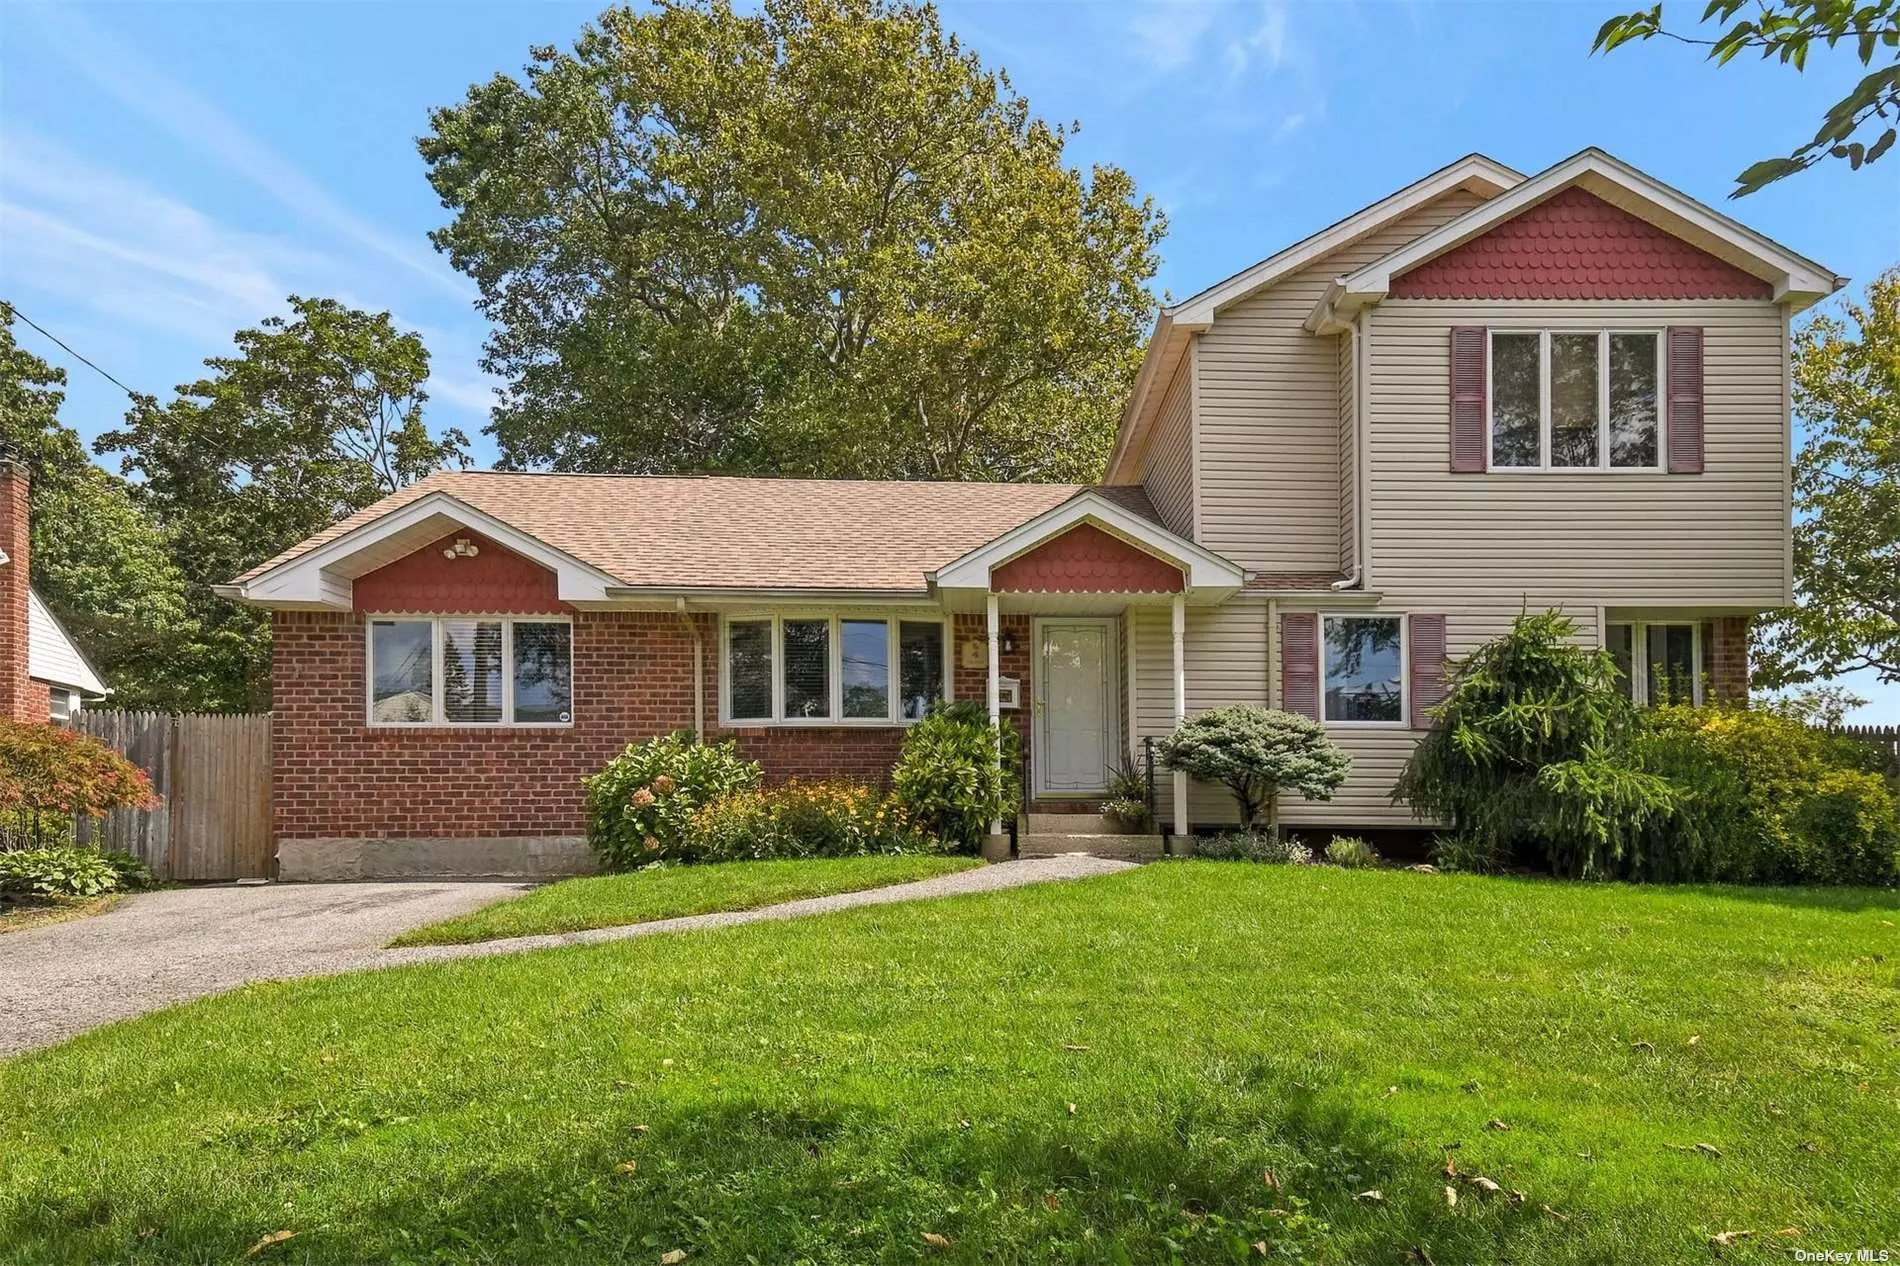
column 974, row 683
column 1728, row 659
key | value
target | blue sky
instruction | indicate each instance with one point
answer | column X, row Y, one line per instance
column 169, row 172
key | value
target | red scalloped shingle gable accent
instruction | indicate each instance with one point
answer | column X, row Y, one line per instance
column 1086, row 559
column 1574, row 245
column 496, row 581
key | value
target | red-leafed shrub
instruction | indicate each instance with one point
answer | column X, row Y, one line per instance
column 50, row 775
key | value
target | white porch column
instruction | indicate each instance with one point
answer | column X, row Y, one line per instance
column 995, row 695
column 1180, row 709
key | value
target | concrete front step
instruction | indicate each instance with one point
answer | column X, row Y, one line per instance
column 1072, row 824
column 1117, row 844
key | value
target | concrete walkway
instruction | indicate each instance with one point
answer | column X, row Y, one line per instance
column 160, row 948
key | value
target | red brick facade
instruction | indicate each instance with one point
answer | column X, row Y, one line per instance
column 1086, row 559
column 1728, row 658
column 1574, row 245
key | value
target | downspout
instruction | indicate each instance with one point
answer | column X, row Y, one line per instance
column 699, row 670
column 1362, row 448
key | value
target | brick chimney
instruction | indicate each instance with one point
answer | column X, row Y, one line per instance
column 16, row 691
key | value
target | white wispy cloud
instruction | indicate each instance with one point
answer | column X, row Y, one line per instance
column 119, row 71
column 1168, row 35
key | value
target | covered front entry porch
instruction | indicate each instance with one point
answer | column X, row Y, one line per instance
column 1056, row 651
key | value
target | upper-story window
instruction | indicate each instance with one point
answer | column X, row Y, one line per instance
column 470, row 670
column 1576, row 400
column 823, row 669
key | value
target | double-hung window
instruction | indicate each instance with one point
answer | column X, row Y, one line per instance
column 1659, row 662
column 470, row 670
column 816, row 670
column 1364, row 669
column 1575, row 400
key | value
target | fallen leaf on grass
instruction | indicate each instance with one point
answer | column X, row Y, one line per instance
column 1517, row 1198
column 1694, row 1039
column 1050, row 1202
column 1709, row 1149
column 936, row 1241
column 672, row 1257
column 641, row 1129
column 1561, row 1217
column 1451, row 1167
column 1270, row 1178
column 1071, row 1109
column 1418, row 1254
column 1498, row 1123
column 626, row 1167
column 1643, row 1046
column 1486, row 1185
column 1722, row 1239
column 1809, row 1146
column 1389, row 1092
column 1259, row 1248
column 1074, row 1046
column 275, row 1237
column 1375, row 1196
column 1787, row 1233
column 1451, row 1197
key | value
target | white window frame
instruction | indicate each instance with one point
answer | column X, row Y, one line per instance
column 834, row 667
column 1405, row 671
column 438, row 719
column 1602, row 466
column 1639, row 656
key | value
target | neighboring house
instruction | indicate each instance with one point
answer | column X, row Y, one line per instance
column 43, row 675
column 1361, row 456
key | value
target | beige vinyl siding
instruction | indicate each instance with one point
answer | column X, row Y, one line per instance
column 1267, row 412
column 1168, row 467
column 1719, row 538
column 1226, row 662
column 1348, row 453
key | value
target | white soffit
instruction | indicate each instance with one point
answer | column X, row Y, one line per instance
column 320, row 578
column 1796, row 279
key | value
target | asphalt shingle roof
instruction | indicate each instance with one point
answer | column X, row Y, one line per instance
column 719, row 532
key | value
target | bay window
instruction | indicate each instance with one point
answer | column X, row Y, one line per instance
column 1660, row 662
column 470, row 670
column 1362, row 662
column 1575, row 400
column 832, row 669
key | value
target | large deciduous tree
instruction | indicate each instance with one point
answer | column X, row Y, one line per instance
column 1847, row 499
column 818, row 238
column 318, row 415
column 102, row 565
column 1786, row 30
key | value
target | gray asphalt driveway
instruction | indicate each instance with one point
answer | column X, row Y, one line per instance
column 158, row 948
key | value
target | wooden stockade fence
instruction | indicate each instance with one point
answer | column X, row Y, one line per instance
column 214, row 774
column 1886, row 738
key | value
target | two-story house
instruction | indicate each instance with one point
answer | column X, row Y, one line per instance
column 1357, row 458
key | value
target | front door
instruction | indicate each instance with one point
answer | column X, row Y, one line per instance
column 1074, row 704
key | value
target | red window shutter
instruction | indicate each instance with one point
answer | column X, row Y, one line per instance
column 1426, row 635
column 1685, row 399
column 1299, row 663
column 1469, row 344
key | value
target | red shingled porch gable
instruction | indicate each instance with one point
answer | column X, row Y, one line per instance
column 1574, row 245
column 1085, row 559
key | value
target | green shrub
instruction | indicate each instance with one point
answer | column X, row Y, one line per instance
column 134, row 875
column 50, row 775
column 639, row 805
column 949, row 779
column 1532, row 757
column 803, row 819
column 1253, row 846
column 1351, row 852
column 1256, row 753
column 1466, row 855
column 1127, row 802
column 57, row 872
column 1768, row 799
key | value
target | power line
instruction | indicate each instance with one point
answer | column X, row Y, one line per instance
column 136, row 397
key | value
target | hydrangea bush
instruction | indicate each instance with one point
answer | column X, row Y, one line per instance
column 639, row 806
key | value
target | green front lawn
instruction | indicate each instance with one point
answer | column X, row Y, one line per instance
column 1182, row 1061
column 669, row 892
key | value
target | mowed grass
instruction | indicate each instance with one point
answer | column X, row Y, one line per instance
column 1181, row 1062
column 605, row 901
